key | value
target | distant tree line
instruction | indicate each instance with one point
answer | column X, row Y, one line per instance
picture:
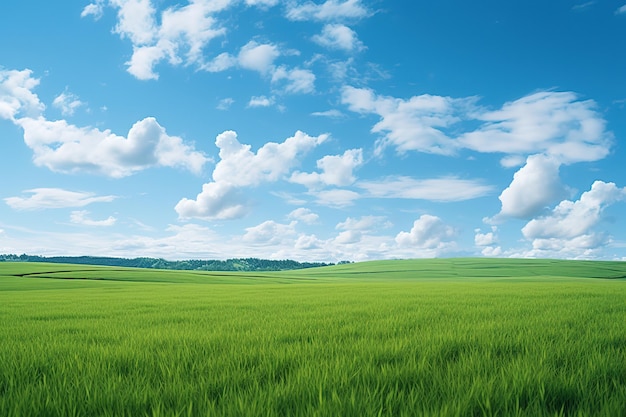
column 237, row 264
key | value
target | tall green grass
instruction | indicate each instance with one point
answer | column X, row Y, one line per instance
column 342, row 345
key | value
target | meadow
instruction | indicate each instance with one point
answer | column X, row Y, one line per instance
column 446, row 337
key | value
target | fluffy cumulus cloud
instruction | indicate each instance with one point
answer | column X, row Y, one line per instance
column 355, row 230
column 217, row 200
column 487, row 242
column 429, row 236
column 258, row 57
column 52, row 198
column 534, row 188
column 335, row 170
column 64, row 147
column 569, row 230
column 338, row 36
column 16, row 95
column 416, row 124
column 177, row 34
column 240, row 167
column 330, row 10
column 269, row 233
column 260, row 101
column 304, row 215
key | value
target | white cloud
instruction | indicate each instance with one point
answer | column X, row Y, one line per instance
column 269, row 233
column 308, row 242
column 141, row 64
column 177, row 34
column 252, row 56
column 621, row 10
column 491, row 251
column 429, row 234
column 240, row 167
column 53, row 198
column 333, row 114
column 583, row 6
column 327, row 11
column 63, row 147
column 338, row 36
column 363, row 224
column 534, row 187
column 93, row 9
column 294, row 80
column 80, row 217
column 16, row 95
column 416, row 124
column 335, row 170
column 512, row 161
column 225, row 103
column 335, row 197
column 571, row 223
column 486, row 239
column 222, row 62
column 304, row 215
column 258, row 57
column 262, row 3
column 348, row 237
column 67, row 103
column 555, row 123
column 436, row 189
column 260, row 101
column 217, row 200
column 136, row 20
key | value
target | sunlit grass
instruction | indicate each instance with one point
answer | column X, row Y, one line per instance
column 351, row 347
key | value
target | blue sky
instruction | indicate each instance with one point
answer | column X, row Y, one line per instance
column 319, row 130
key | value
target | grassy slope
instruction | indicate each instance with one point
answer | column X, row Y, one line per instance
column 451, row 337
column 16, row 275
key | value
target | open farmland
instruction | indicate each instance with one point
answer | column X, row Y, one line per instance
column 457, row 337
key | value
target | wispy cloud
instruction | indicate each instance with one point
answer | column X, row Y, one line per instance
column 67, row 103
column 583, row 6
column 53, row 198
column 330, row 10
column 436, row 189
column 225, row 103
column 80, row 217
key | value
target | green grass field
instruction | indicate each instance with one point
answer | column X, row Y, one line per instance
column 448, row 337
